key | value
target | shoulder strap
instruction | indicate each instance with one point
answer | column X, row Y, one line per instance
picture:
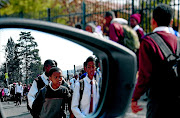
column 178, row 46
column 40, row 83
column 164, row 48
column 44, row 92
column 81, row 89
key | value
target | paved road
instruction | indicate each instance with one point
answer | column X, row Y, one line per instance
column 12, row 111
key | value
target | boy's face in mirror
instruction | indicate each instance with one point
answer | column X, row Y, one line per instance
column 56, row 79
column 90, row 69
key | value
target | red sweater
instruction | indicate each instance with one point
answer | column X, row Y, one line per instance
column 149, row 52
column 140, row 33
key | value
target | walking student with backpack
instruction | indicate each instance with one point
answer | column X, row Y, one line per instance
column 50, row 99
column 39, row 83
column 124, row 35
column 157, row 68
column 86, row 92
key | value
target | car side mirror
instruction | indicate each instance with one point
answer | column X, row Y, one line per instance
column 118, row 64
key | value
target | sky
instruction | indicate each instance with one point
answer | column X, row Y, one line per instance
column 66, row 53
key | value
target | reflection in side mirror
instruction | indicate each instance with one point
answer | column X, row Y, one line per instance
column 118, row 64
column 23, row 53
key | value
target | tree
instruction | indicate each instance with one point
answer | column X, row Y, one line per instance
column 12, row 61
column 26, row 6
column 28, row 55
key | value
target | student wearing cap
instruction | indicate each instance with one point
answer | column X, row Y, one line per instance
column 135, row 20
column 41, row 81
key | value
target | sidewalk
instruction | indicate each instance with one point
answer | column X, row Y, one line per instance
column 12, row 111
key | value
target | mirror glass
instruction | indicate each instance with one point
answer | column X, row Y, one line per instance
column 22, row 55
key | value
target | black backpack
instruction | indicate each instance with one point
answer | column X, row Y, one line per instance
column 40, row 84
column 172, row 64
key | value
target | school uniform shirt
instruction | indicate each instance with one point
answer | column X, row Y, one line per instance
column 19, row 89
column 99, row 78
column 6, row 91
column 73, row 81
column 139, row 32
column 86, row 97
column 32, row 92
column 150, row 67
column 52, row 107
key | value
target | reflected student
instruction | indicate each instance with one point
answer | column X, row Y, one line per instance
column 51, row 97
column 86, row 93
column 39, row 83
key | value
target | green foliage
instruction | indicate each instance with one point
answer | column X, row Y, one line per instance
column 12, row 61
column 26, row 6
column 22, row 59
column 28, row 54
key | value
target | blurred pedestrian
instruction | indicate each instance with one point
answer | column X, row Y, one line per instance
column 78, row 26
column 124, row 35
column 73, row 81
column 153, row 76
column 18, row 93
column 109, row 16
column 91, row 27
column 135, row 20
column 12, row 92
column 6, row 93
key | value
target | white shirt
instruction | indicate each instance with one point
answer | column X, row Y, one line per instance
column 86, row 97
column 99, row 78
column 32, row 92
column 6, row 91
column 72, row 83
column 19, row 89
column 137, row 27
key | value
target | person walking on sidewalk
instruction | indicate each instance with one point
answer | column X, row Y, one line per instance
column 152, row 70
column 18, row 93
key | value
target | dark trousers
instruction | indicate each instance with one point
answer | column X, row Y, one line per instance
column 18, row 98
column 168, row 108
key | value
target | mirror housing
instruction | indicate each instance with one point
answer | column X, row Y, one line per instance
column 119, row 64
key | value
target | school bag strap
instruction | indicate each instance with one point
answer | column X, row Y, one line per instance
column 40, row 82
column 164, row 48
column 38, row 102
column 81, row 89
